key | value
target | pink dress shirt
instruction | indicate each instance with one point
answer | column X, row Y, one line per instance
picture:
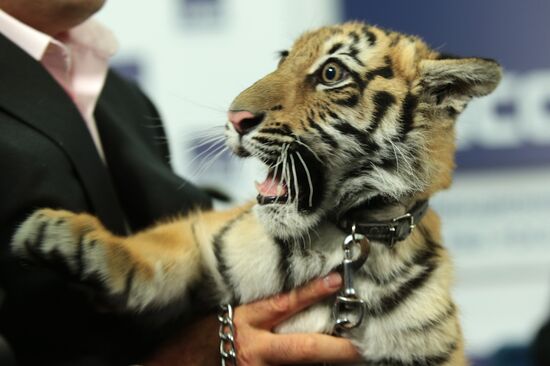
column 77, row 59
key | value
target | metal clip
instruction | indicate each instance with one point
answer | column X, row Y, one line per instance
column 404, row 232
column 349, row 309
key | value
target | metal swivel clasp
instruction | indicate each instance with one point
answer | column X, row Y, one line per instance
column 349, row 310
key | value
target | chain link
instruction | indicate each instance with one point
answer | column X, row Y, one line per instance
column 228, row 351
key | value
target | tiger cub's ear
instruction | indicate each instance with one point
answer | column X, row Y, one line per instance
column 452, row 82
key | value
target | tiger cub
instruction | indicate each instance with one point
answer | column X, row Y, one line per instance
column 356, row 125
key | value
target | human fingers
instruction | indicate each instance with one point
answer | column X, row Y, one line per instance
column 308, row 348
column 269, row 312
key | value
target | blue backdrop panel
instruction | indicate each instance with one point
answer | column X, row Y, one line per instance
column 516, row 33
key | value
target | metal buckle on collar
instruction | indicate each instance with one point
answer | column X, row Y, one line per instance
column 397, row 235
column 391, row 231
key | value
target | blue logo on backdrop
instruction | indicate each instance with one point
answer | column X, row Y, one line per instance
column 201, row 14
column 130, row 69
column 511, row 127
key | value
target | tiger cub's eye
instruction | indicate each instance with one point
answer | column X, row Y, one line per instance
column 331, row 73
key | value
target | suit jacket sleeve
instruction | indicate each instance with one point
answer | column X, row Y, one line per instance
column 48, row 159
column 138, row 157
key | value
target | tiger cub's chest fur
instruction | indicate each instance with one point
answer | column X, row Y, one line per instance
column 409, row 309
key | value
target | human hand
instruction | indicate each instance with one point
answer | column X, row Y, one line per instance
column 256, row 344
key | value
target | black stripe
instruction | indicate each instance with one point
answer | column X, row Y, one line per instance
column 333, row 114
column 278, row 107
column 93, row 244
column 40, row 237
column 371, row 37
column 385, row 71
column 283, row 53
column 382, row 102
column 128, row 285
column 429, row 324
column 78, row 258
column 353, row 52
column 285, row 268
column 420, row 258
column 35, row 251
column 358, row 79
column 350, row 101
column 389, row 303
column 266, row 151
column 395, row 40
column 424, row 360
column 266, row 141
column 284, row 130
column 357, row 172
column 310, row 117
column 79, row 254
column 387, row 163
column 335, row 48
column 328, row 139
column 406, row 118
column 364, row 169
column 218, row 244
column 361, row 136
column 451, row 112
column 270, row 152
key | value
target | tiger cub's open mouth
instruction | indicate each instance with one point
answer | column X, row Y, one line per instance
column 297, row 177
column 273, row 189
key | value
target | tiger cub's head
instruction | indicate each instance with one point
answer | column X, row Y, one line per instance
column 353, row 112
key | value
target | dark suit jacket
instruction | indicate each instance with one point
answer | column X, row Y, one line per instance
column 48, row 159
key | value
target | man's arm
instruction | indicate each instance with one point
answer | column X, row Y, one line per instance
column 255, row 342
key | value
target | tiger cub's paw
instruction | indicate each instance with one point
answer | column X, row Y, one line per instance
column 59, row 239
column 79, row 246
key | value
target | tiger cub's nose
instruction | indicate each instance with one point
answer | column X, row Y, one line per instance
column 245, row 121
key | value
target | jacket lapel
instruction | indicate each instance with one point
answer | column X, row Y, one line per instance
column 30, row 94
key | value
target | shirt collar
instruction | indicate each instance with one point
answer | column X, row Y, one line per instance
column 94, row 37
column 29, row 39
column 90, row 34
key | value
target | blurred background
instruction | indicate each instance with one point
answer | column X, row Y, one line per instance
column 194, row 56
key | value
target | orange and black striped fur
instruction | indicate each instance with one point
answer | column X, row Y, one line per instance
column 355, row 117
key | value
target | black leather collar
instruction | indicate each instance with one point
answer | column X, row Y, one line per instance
column 391, row 231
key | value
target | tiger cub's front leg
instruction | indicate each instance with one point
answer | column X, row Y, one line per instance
column 150, row 269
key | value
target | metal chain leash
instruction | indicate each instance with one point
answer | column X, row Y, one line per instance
column 228, row 351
